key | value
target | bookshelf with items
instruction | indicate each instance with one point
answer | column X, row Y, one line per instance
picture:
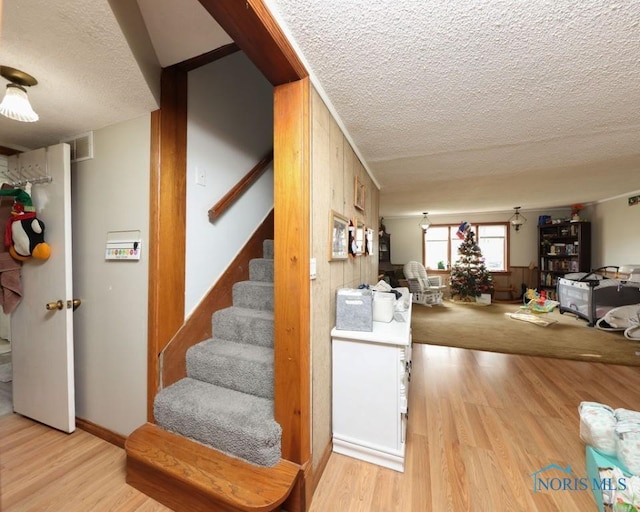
column 564, row 248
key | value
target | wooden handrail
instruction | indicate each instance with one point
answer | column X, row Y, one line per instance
column 230, row 197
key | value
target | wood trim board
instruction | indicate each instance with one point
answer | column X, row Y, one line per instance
column 253, row 28
column 292, row 285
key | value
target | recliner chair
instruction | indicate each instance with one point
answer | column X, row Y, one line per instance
column 425, row 290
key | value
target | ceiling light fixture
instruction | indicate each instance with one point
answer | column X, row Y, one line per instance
column 425, row 222
column 15, row 104
column 517, row 219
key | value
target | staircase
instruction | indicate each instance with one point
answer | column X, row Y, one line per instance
column 225, row 403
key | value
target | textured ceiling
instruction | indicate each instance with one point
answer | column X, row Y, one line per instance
column 455, row 106
column 472, row 105
column 87, row 75
column 96, row 61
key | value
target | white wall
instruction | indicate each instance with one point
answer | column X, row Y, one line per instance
column 111, row 192
column 230, row 129
column 406, row 237
column 614, row 232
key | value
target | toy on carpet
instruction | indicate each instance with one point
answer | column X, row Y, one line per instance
column 24, row 232
column 537, row 302
column 534, row 304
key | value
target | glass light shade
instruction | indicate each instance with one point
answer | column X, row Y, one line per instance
column 425, row 222
column 15, row 105
column 517, row 219
column 517, row 222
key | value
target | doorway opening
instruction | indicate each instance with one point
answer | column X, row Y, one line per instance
column 6, row 389
column 6, row 372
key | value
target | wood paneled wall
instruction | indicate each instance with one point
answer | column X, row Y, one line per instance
column 334, row 167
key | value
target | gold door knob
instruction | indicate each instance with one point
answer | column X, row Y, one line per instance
column 54, row 305
column 75, row 303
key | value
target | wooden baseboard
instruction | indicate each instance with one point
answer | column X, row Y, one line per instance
column 322, row 464
column 101, row 432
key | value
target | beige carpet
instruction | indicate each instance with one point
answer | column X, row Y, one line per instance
column 488, row 328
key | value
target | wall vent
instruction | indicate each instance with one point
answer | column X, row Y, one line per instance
column 81, row 147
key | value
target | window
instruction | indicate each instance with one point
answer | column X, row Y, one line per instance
column 441, row 245
column 436, row 245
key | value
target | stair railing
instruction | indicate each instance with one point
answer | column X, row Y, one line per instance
column 240, row 188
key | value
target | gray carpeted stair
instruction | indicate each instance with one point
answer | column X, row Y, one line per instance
column 236, row 423
column 238, row 366
column 226, row 401
column 253, row 295
column 261, row 270
column 244, row 325
column 267, row 249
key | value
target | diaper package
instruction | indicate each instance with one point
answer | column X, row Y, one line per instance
column 627, row 415
column 597, row 427
column 628, row 433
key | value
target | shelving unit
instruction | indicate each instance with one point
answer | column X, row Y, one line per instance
column 384, row 248
column 563, row 248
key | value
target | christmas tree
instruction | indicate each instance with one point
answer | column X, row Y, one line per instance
column 469, row 275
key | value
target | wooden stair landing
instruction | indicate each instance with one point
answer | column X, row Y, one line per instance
column 188, row 476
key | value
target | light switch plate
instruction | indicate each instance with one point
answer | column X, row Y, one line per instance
column 312, row 268
column 201, row 176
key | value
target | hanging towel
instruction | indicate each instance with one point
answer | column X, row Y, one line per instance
column 10, row 283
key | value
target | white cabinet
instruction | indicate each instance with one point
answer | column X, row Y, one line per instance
column 371, row 374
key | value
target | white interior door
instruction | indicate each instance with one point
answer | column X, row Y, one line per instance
column 42, row 340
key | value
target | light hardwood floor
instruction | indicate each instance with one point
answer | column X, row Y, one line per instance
column 480, row 424
column 42, row 469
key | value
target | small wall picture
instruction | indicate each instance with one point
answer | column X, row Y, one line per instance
column 368, row 241
column 360, row 231
column 338, row 237
column 359, row 194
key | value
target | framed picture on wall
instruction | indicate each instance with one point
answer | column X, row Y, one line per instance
column 360, row 232
column 368, row 241
column 359, row 189
column 338, row 237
